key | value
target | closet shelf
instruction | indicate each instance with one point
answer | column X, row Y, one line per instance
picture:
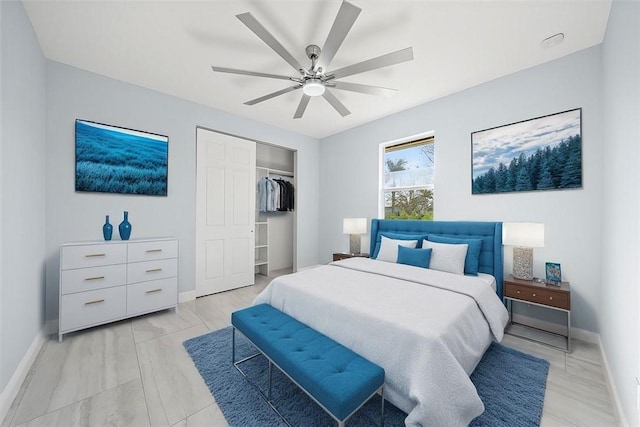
column 276, row 171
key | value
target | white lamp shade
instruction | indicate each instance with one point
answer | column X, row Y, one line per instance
column 354, row 226
column 525, row 234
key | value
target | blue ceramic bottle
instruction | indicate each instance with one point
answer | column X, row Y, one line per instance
column 107, row 229
column 125, row 227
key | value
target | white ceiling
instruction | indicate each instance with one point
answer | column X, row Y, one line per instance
column 170, row 46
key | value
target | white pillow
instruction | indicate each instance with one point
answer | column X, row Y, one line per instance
column 389, row 248
column 444, row 257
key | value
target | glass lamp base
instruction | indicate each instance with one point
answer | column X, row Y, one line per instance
column 523, row 263
column 354, row 243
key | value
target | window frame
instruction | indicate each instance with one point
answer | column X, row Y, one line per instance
column 381, row 168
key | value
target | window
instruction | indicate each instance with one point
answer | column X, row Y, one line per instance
column 407, row 187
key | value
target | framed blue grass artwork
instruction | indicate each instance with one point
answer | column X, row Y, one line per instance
column 544, row 153
column 112, row 159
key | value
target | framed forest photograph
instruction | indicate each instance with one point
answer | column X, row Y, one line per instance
column 544, row 153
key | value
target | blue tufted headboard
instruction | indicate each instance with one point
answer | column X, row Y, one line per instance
column 491, row 258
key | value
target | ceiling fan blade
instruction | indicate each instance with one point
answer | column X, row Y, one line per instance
column 392, row 58
column 249, row 73
column 257, row 28
column 273, row 95
column 370, row 90
column 302, row 106
column 335, row 103
column 347, row 15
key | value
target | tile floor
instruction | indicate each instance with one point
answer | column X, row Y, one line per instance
column 137, row 373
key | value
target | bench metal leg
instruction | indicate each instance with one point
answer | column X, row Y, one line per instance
column 382, row 406
column 233, row 346
column 270, row 377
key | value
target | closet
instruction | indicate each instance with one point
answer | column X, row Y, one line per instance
column 275, row 229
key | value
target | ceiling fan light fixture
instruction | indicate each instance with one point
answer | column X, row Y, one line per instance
column 313, row 87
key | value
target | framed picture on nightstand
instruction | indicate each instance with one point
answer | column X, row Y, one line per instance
column 553, row 272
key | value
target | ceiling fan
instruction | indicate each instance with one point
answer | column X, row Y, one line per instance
column 316, row 80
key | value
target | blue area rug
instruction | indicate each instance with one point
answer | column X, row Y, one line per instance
column 510, row 383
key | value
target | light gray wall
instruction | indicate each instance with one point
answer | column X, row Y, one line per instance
column 73, row 93
column 620, row 305
column 22, row 185
column 349, row 169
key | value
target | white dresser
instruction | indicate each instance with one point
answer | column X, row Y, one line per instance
column 105, row 281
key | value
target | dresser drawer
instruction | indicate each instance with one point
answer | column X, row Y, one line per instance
column 92, row 255
column 538, row 295
column 150, row 296
column 89, row 279
column 148, row 251
column 90, row 308
column 152, row 270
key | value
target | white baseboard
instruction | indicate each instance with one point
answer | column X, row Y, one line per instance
column 186, row 296
column 13, row 386
column 51, row 327
column 613, row 391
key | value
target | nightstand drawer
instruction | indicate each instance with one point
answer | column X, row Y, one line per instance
column 538, row 295
column 343, row 255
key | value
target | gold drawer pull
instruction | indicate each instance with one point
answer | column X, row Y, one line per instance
column 154, row 270
column 154, row 250
column 94, row 302
column 94, row 278
column 94, row 255
column 153, row 290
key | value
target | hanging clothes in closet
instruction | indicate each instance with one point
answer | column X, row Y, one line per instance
column 275, row 195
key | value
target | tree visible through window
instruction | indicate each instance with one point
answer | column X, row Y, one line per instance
column 408, row 180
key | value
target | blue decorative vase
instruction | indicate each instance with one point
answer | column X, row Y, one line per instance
column 107, row 229
column 125, row 227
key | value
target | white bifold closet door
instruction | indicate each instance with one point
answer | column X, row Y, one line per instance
column 225, row 212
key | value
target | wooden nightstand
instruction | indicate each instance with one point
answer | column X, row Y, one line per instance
column 337, row 256
column 547, row 296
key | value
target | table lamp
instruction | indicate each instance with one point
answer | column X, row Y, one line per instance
column 524, row 236
column 354, row 227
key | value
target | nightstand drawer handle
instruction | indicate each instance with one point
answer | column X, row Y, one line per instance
column 550, row 298
column 94, row 278
column 534, row 295
column 94, row 255
column 154, row 270
column 153, row 291
column 517, row 292
column 154, row 250
column 94, row 302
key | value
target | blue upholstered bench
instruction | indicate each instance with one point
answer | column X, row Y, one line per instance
column 336, row 378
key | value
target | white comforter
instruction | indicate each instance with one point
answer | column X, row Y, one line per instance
column 427, row 329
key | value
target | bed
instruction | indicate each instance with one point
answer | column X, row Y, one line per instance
column 427, row 328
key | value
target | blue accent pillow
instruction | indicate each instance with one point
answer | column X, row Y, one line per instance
column 414, row 256
column 472, row 260
column 397, row 236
